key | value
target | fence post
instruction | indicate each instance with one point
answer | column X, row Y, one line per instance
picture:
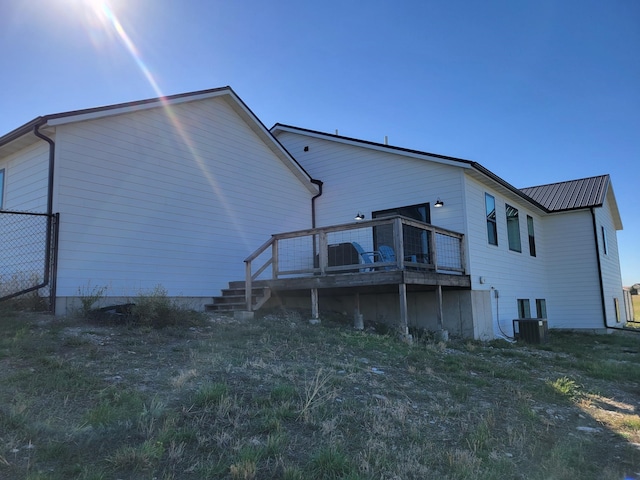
column 247, row 286
column 274, row 259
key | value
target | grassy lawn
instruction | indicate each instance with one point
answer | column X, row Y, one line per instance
column 278, row 398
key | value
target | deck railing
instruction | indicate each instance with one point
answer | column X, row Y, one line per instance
column 390, row 243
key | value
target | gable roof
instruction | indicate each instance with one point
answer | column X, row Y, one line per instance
column 556, row 197
column 591, row 192
column 472, row 167
column 23, row 135
column 571, row 195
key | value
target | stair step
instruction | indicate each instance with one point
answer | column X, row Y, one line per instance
column 213, row 307
column 234, row 297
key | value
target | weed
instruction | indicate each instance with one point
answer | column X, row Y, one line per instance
column 136, row 458
column 564, row 386
column 316, row 394
column 210, row 395
column 331, row 462
column 90, row 295
column 155, row 309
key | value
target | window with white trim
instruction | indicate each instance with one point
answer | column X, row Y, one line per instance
column 513, row 228
column 532, row 236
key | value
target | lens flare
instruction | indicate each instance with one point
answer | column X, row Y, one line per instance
column 107, row 16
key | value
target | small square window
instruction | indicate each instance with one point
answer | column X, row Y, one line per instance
column 541, row 308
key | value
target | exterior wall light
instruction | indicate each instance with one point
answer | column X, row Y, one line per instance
column 359, row 216
column 439, row 203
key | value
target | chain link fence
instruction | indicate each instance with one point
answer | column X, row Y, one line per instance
column 27, row 255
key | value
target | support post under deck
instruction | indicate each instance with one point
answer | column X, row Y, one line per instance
column 404, row 312
column 442, row 333
column 315, row 310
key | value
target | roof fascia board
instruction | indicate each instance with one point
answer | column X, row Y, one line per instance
column 97, row 112
column 129, row 107
column 20, row 131
column 374, row 146
column 496, row 179
column 237, row 104
column 613, row 204
column 271, row 141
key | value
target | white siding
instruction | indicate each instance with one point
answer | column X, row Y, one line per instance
column 573, row 271
column 358, row 179
column 26, row 178
column 514, row 275
column 23, row 237
column 610, row 265
column 176, row 196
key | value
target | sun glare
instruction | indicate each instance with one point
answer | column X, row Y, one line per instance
column 100, row 18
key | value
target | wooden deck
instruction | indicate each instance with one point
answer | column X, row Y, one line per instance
column 366, row 280
column 391, row 254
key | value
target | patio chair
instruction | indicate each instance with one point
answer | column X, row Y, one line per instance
column 367, row 257
column 387, row 254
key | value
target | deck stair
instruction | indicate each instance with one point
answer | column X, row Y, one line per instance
column 233, row 298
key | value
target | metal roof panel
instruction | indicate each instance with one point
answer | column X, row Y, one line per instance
column 570, row 195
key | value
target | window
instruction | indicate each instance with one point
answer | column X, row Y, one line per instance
column 513, row 228
column 1, row 186
column 524, row 308
column 605, row 243
column 532, row 237
column 616, row 305
column 541, row 308
column 492, row 227
column 416, row 241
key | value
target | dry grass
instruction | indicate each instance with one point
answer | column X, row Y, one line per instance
column 279, row 398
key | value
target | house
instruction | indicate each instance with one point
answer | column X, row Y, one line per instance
column 192, row 192
column 172, row 191
column 548, row 251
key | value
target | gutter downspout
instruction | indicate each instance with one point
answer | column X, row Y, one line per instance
column 48, row 255
column 313, row 202
column 602, row 297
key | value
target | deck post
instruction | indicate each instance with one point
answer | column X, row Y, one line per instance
column 324, row 252
column 433, row 250
column 398, row 242
column 443, row 334
column 404, row 313
column 315, row 311
column 358, row 323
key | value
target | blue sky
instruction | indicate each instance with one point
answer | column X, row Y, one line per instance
column 536, row 91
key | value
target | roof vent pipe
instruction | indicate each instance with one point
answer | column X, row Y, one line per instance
column 386, row 140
